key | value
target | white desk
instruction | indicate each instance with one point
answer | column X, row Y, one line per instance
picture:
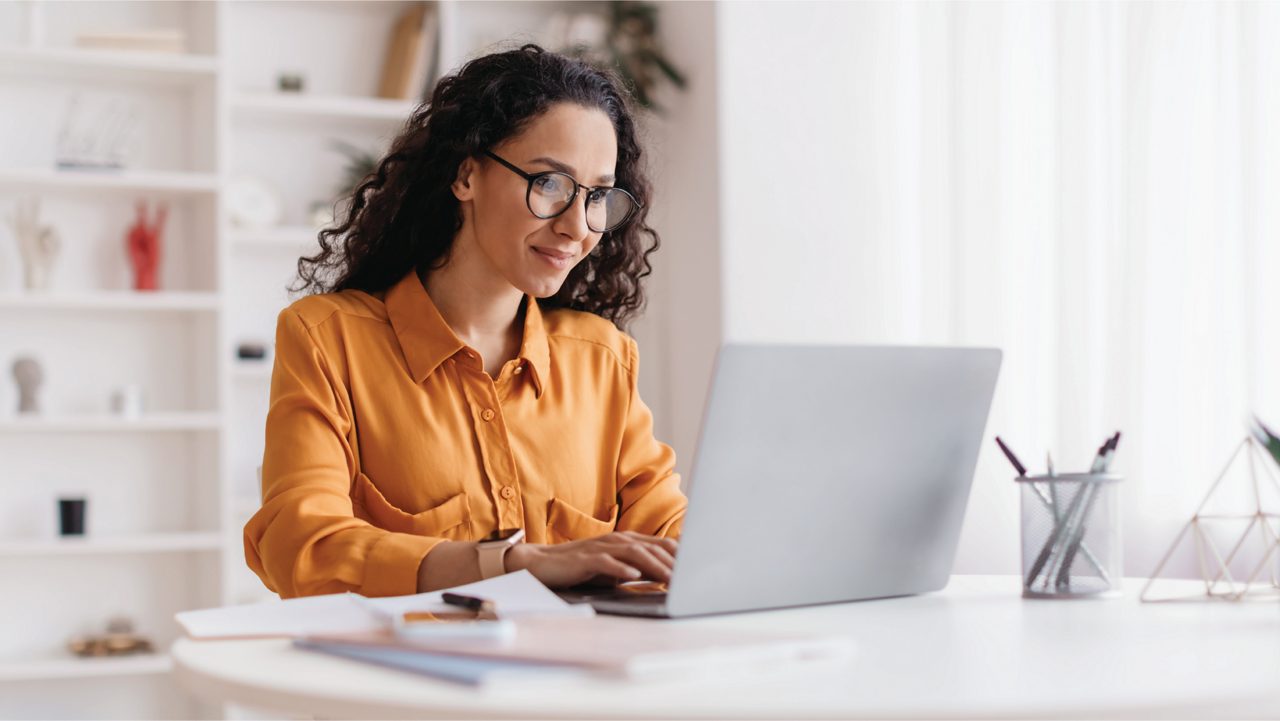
column 975, row 649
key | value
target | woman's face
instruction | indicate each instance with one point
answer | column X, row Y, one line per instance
column 534, row 254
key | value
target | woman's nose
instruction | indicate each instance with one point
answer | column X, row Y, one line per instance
column 573, row 221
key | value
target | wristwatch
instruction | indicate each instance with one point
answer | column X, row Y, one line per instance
column 493, row 548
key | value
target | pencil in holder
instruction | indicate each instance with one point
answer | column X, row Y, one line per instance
column 1071, row 535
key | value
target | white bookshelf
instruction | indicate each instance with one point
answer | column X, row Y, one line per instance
column 80, row 64
column 303, row 108
column 113, row 544
column 74, row 668
column 258, row 371
column 104, row 423
column 136, row 181
column 112, row 301
column 289, row 237
column 170, row 490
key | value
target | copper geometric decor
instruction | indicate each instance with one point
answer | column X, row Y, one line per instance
column 1255, row 552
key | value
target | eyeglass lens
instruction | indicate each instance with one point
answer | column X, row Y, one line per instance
column 551, row 193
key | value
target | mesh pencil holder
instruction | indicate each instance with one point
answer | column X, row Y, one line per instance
column 1071, row 535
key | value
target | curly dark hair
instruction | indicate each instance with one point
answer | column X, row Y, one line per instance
column 404, row 215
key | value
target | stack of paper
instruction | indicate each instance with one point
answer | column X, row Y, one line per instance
column 635, row 649
column 516, row 595
column 552, row 637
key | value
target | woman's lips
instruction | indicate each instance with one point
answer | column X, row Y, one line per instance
column 557, row 259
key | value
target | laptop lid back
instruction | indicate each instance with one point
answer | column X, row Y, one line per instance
column 830, row 473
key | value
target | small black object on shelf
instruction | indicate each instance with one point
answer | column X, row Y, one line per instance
column 251, row 351
column 71, row 513
column 290, row 82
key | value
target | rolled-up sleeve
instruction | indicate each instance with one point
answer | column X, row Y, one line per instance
column 649, row 493
column 305, row 539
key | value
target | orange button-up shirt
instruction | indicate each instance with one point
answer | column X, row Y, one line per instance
column 385, row 436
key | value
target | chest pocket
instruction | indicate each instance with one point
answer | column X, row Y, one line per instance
column 450, row 519
column 566, row 523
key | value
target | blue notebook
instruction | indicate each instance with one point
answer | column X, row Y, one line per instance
column 459, row 669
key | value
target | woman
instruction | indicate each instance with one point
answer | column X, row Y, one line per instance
column 456, row 374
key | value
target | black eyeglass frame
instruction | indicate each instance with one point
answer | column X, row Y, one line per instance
column 577, row 187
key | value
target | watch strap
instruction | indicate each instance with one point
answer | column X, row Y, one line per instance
column 492, row 554
column 491, row 559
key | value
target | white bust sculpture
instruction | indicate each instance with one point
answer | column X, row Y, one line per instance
column 29, row 375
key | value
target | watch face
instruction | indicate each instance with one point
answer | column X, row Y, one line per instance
column 501, row 535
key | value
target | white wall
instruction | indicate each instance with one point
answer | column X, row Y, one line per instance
column 836, row 196
column 685, row 306
column 1082, row 185
column 830, row 150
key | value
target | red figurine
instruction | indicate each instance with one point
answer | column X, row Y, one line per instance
column 143, row 243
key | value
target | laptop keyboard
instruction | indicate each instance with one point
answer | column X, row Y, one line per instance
column 635, row 591
column 632, row 604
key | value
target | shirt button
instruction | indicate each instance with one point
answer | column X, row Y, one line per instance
column 519, row 369
column 487, row 414
column 508, row 492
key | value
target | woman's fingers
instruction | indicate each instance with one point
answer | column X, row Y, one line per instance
column 662, row 548
column 604, row 563
column 624, row 555
column 662, row 554
column 667, row 544
column 641, row 556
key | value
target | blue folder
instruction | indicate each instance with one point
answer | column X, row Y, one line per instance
column 459, row 669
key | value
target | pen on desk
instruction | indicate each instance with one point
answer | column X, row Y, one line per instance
column 1060, row 524
column 1055, row 547
column 1017, row 465
column 1115, row 441
column 1100, row 458
column 1076, row 536
column 468, row 602
column 1053, row 488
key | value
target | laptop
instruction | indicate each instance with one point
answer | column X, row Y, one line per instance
column 822, row 474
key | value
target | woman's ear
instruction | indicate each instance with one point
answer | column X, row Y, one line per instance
column 462, row 184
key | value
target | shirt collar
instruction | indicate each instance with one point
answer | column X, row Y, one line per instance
column 534, row 348
column 427, row 340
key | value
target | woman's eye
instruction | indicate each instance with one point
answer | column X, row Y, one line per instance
column 548, row 184
column 595, row 197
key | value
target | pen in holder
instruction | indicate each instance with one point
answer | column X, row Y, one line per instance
column 1071, row 535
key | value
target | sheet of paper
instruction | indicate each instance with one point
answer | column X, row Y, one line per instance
column 516, row 595
column 294, row 617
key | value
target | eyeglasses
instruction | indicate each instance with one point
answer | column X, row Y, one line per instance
column 551, row 193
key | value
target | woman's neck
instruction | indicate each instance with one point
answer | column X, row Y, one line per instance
column 479, row 305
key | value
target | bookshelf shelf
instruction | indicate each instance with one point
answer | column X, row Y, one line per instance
column 71, row 667
column 129, row 181
column 318, row 107
column 112, row 302
column 291, row 237
column 104, row 545
column 108, row 65
column 258, row 372
column 104, row 423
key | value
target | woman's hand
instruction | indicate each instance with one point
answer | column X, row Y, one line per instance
column 623, row 555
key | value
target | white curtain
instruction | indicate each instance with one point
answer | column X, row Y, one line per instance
column 1094, row 187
